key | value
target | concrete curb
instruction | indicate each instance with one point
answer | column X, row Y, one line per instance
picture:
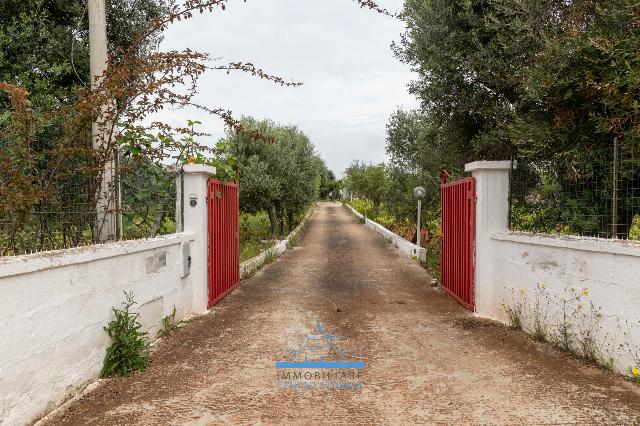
column 252, row 265
column 406, row 247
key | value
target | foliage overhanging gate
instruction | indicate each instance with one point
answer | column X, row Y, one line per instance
column 457, row 263
column 224, row 239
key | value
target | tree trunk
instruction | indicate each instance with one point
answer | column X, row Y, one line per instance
column 273, row 220
column 290, row 220
column 159, row 217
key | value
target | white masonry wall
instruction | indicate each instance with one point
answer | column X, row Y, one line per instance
column 510, row 266
column 54, row 305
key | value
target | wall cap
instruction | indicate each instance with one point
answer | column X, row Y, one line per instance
column 199, row 168
column 592, row 244
column 487, row 165
column 24, row 264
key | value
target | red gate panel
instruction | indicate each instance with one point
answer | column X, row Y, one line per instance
column 457, row 250
column 224, row 239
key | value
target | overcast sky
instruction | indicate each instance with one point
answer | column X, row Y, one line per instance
column 342, row 54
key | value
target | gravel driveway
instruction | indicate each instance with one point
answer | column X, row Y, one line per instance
column 426, row 359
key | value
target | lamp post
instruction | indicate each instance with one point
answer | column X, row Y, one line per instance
column 419, row 192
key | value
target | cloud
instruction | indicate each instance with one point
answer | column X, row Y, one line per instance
column 340, row 52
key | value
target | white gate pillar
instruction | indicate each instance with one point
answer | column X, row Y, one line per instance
column 492, row 215
column 195, row 223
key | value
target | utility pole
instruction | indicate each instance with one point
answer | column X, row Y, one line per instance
column 419, row 192
column 108, row 222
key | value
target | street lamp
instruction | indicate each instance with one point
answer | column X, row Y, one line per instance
column 419, row 192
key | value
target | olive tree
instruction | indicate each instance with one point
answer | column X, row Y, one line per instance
column 281, row 178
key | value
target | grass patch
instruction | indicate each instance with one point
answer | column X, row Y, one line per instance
column 269, row 257
column 255, row 234
column 249, row 249
column 293, row 241
column 255, row 231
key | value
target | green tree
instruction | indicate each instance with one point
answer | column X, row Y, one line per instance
column 532, row 76
column 416, row 157
column 281, row 178
column 398, row 197
column 328, row 183
column 366, row 181
column 465, row 74
column 44, row 44
column 415, row 145
column 583, row 90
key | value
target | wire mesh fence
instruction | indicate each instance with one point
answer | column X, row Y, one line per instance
column 590, row 192
column 148, row 200
column 66, row 215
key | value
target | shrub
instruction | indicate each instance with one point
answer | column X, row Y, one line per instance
column 634, row 232
column 362, row 206
column 129, row 349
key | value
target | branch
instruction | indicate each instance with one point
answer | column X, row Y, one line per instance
column 370, row 4
column 248, row 67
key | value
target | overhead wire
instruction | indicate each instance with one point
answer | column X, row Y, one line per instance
column 73, row 40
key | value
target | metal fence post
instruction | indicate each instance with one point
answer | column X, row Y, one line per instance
column 614, row 198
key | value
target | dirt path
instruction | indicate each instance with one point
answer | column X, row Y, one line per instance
column 427, row 360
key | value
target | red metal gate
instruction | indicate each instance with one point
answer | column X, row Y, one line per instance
column 224, row 239
column 457, row 250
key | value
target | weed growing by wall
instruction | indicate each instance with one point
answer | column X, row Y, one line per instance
column 570, row 322
column 632, row 349
column 540, row 312
column 129, row 348
column 515, row 311
column 170, row 325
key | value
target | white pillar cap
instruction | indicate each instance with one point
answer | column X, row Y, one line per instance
column 487, row 165
column 199, row 168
